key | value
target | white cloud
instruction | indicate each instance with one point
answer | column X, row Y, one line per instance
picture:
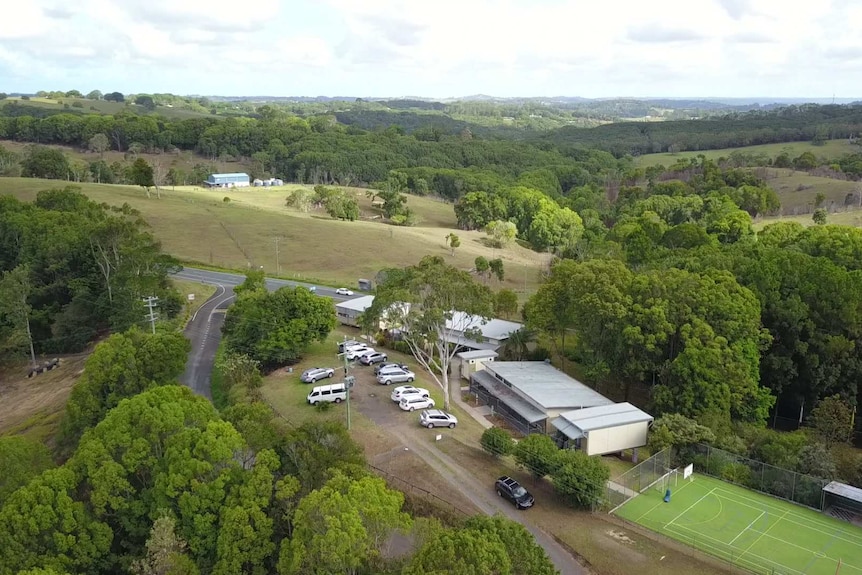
column 446, row 47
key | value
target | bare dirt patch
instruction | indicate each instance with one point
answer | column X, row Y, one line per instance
column 33, row 406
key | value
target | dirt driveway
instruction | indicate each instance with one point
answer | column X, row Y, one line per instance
column 373, row 400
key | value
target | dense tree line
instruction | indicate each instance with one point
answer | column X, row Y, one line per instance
column 314, row 150
column 670, row 288
column 808, row 122
column 84, row 268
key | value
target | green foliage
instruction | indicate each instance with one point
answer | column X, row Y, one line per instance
column 527, row 557
column 537, row 453
column 820, row 216
column 89, row 265
column 122, row 366
column 276, row 328
column 44, row 162
column 580, row 479
column 502, row 233
column 42, row 525
column 341, row 205
column 453, row 241
column 15, row 338
column 142, row 174
column 815, row 460
column 435, row 291
column 466, row 551
column 832, row 420
column 299, row 199
column 477, row 209
column 312, row 451
column 21, row 460
column 677, row 430
column 505, row 303
column 497, row 442
column 342, row 526
column 254, row 282
column 165, row 552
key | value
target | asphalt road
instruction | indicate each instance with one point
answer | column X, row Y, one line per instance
column 204, row 329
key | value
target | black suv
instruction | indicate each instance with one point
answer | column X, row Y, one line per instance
column 514, row 492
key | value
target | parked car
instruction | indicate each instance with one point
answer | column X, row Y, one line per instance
column 432, row 418
column 408, row 390
column 348, row 343
column 354, row 353
column 343, row 291
column 510, row 489
column 333, row 393
column 372, row 358
column 409, row 403
column 315, row 373
column 399, row 376
column 384, row 367
column 313, row 289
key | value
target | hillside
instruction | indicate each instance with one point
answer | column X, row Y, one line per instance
column 196, row 225
column 831, row 149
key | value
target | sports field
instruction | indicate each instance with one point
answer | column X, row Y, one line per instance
column 749, row 530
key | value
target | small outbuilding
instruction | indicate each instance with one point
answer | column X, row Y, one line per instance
column 469, row 362
column 348, row 311
column 843, row 501
column 603, row 429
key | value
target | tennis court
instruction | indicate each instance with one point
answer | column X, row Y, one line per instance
column 747, row 529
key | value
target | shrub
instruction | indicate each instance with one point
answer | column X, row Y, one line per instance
column 226, row 200
column 537, row 453
column 497, row 442
column 579, row 478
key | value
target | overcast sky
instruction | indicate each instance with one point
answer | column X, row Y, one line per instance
column 435, row 48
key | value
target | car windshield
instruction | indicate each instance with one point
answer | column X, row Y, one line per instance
column 519, row 491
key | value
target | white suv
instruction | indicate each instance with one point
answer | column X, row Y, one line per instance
column 415, row 402
column 355, row 352
column 403, row 391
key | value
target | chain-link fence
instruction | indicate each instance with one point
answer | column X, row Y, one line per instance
column 639, row 478
column 752, row 474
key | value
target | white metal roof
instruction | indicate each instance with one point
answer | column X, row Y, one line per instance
column 229, row 175
column 546, row 385
column 356, row 304
column 493, row 328
column 844, row 490
column 600, row 417
column 477, row 354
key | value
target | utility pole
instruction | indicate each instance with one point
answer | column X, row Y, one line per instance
column 346, row 384
column 151, row 303
column 277, row 267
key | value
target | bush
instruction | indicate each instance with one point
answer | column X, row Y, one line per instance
column 497, row 442
column 537, row 453
column 579, row 478
column 226, row 200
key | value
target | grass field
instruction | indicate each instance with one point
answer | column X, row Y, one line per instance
column 102, row 107
column 750, row 530
column 831, row 149
column 197, row 226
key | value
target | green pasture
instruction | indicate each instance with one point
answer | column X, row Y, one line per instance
column 748, row 530
column 830, row 149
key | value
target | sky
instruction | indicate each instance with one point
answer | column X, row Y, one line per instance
column 435, row 48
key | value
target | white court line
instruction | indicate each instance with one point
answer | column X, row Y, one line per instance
column 659, row 504
column 789, row 513
column 762, row 513
column 764, row 533
column 700, row 537
column 692, row 505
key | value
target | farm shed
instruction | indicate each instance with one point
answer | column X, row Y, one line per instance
column 233, row 180
column 529, row 394
column 604, row 428
column 348, row 311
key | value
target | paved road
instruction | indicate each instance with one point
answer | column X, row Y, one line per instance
column 204, row 329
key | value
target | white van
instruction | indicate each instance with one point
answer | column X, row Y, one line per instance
column 336, row 392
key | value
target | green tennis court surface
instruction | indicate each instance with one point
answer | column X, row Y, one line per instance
column 750, row 530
